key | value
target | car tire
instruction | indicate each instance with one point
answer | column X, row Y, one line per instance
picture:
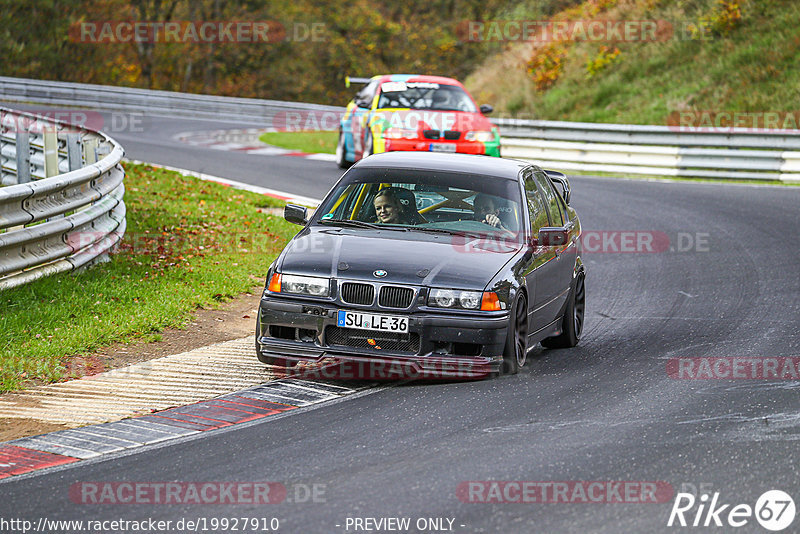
column 341, row 150
column 516, row 349
column 368, row 148
column 572, row 323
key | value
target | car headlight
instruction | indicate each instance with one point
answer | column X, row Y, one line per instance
column 466, row 300
column 400, row 133
column 482, row 136
column 299, row 285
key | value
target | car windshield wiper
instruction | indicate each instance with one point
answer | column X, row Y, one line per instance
column 445, row 231
column 352, row 223
column 349, row 223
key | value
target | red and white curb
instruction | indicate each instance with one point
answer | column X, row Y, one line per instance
column 25, row 455
column 245, row 141
column 207, row 381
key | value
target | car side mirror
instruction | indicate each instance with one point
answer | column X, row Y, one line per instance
column 362, row 102
column 295, row 214
column 552, row 237
column 486, row 109
column 561, row 179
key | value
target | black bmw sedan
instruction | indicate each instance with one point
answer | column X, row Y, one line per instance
column 444, row 265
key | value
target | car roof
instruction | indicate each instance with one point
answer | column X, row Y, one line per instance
column 417, row 78
column 465, row 163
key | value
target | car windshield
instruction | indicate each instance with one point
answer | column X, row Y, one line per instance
column 425, row 95
column 421, row 200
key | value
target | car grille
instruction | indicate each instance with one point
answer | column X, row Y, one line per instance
column 388, row 341
column 452, row 134
column 395, row 297
column 431, row 134
column 353, row 293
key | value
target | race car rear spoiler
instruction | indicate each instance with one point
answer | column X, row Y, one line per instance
column 348, row 80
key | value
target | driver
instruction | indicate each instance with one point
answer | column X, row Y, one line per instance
column 486, row 210
column 387, row 207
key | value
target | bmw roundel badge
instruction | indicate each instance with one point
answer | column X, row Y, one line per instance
column 380, row 273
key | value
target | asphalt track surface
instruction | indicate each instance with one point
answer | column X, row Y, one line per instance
column 604, row 411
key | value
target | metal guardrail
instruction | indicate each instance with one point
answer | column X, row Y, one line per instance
column 61, row 199
column 736, row 153
column 615, row 148
column 150, row 101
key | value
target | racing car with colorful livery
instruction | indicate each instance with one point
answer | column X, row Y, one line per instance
column 406, row 112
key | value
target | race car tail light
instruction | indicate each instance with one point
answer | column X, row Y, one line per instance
column 491, row 302
column 275, row 283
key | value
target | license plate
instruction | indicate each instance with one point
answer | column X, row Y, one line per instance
column 371, row 321
column 443, row 147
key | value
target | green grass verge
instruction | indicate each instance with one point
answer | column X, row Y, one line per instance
column 189, row 243
column 311, row 142
column 751, row 67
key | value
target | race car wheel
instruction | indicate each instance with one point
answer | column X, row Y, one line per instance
column 368, row 148
column 572, row 325
column 341, row 161
column 516, row 350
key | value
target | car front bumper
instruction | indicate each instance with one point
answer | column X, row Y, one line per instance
column 439, row 345
column 491, row 148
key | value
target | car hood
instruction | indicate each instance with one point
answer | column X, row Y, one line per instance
column 426, row 119
column 412, row 257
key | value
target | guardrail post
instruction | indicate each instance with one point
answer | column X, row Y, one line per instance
column 90, row 151
column 23, row 157
column 74, row 151
column 50, row 141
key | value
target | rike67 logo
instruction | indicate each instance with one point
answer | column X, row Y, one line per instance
column 774, row 510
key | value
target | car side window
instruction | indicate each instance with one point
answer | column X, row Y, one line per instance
column 551, row 199
column 536, row 209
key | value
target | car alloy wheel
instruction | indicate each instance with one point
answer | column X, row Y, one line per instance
column 516, row 349
column 368, row 148
column 340, row 153
column 579, row 306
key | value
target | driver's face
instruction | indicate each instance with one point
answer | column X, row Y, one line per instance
column 386, row 210
column 483, row 208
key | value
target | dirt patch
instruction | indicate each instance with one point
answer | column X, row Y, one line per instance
column 13, row 428
column 232, row 320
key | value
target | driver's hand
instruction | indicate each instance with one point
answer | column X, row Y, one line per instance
column 492, row 220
